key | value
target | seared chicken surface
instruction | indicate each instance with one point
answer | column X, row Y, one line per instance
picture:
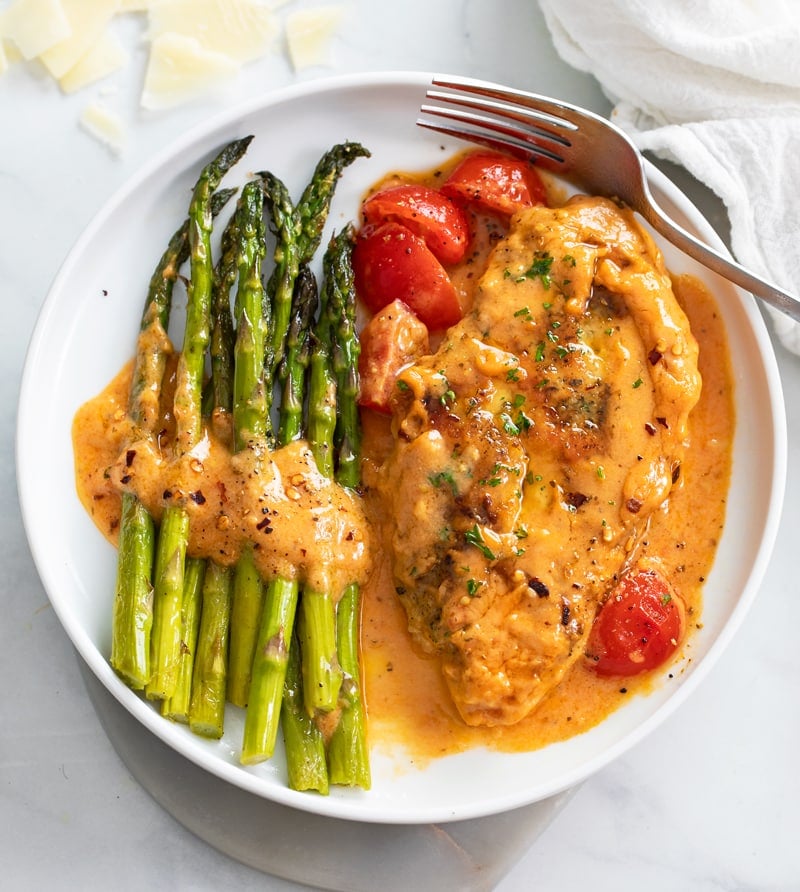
column 532, row 448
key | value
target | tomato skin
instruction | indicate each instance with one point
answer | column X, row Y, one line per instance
column 638, row 628
column 429, row 214
column 495, row 183
column 391, row 263
column 392, row 339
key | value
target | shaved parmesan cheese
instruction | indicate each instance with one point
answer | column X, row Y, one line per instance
column 309, row 33
column 180, row 68
column 104, row 125
column 105, row 57
column 243, row 30
column 88, row 20
column 34, row 25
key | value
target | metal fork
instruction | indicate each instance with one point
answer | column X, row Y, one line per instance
column 584, row 148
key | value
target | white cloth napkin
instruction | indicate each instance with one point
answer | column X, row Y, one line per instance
column 713, row 85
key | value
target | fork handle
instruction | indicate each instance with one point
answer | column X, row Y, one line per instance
column 771, row 294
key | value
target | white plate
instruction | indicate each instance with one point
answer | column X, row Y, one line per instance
column 86, row 331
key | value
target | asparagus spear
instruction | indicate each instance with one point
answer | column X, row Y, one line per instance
column 315, row 202
column 174, row 529
column 317, row 616
column 280, row 285
column 299, row 231
column 275, row 634
column 176, row 707
column 222, row 329
column 348, row 755
column 251, row 404
column 133, row 601
column 209, row 680
column 304, row 744
column 305, row 747
column 207, row 706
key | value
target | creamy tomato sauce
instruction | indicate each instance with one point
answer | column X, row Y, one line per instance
column 271, row 498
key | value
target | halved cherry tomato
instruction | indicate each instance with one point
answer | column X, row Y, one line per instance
column 393, row 338
column 440, row 223
column 495, row 183
column 391, row 263
column 639, row 627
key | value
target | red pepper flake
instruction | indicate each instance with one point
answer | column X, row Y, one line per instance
column 166, row 495
column 565, row 611
column 662, row 421
column 654, row 356
column 197, row 497
column 576, row 499
column 264, row 525
column 650, row 428
column 125, row 479
column 536, row 585
column 633, row 505
column 676, row 472
column 130, row 455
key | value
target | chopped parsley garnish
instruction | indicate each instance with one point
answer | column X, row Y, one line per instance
column 508, row 425
column 473, row 587
column 540, row 269
column 443, row 477
column 523, row 422
column 475, row 537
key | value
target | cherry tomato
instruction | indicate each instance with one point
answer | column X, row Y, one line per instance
column 495, row 183
column 638, row 628
column 393, row 338
column 391, row 263
column 440, row 223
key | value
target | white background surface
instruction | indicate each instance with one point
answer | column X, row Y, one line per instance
column 711, row 801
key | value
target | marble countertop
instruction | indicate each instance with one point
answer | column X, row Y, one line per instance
column 709, row 801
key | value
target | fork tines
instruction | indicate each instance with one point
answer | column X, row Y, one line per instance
column 523, row 124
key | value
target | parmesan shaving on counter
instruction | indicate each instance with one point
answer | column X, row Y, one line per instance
column 103, row 125
column 193, row 48
column 309, row 33
column 105, row 57
column 180, row 68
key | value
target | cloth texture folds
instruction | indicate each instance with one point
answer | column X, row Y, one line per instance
column 713, row 85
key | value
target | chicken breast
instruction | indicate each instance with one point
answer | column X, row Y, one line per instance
column 531, row 450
